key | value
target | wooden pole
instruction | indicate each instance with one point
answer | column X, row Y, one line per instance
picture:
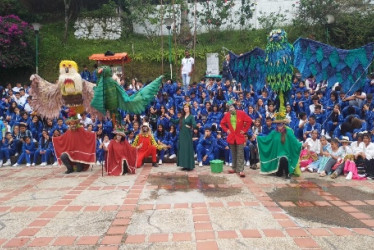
column 162, row 38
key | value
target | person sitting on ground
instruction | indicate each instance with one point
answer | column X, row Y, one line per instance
column 28, row 150
column 336, row 154
column 347, row 155
column 206, row 147
column 312, row 147
column 320, row 163
column 44, row 150
column 121, row 156
column 368, row 155
column 8, row 149
column 76, row 146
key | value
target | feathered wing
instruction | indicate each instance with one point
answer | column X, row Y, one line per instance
column 249, row 68
column 326, row 62
column 138, row 102
column 88, row 91
column 46, row 97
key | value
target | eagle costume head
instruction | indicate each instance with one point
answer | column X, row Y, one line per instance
column 71, row 85
column 278, row 36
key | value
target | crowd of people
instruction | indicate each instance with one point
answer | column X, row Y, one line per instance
column 324, row 118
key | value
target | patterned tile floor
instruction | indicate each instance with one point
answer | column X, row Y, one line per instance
column 165, row 208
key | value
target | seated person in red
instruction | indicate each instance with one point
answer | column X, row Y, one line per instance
column 75, row 147
column 147, row 145
column 121, row 156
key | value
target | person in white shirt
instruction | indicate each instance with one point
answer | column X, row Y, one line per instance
column 312, row 148
column 17, row 87
column 27, row 106
column 356, row 146
column 368, row 155
column 312, row 143
column 85, row 120
column 19, row 100
column 188, row 66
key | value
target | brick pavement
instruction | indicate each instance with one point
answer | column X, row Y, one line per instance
column 42, row 207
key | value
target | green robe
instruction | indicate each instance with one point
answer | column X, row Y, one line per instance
column 271, row 150
column 185, row 145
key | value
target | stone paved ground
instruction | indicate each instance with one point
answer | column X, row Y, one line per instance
column 165, row 208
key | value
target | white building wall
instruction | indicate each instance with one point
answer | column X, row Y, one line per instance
column 262, row 7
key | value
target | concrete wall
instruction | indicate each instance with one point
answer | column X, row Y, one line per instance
column 98, row 28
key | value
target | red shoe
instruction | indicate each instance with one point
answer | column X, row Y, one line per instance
column 232, row 171
column 242, row 174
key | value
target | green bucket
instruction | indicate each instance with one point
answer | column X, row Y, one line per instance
column 216, row 166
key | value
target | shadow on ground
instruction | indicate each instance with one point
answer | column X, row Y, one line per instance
column 305, row 193
column 210, row 186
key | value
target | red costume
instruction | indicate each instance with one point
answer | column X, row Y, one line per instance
column 243, row 123
column 149, row 147
column 78, row 144
column 121, row 158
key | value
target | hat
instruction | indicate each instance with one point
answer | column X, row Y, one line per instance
column 280, row 117
column 74, row 120
column 344, row 139
column 146, row 124
column 207, row 127
column 119, row 131
column 230, row 102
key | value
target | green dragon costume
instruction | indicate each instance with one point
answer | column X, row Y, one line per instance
column 110, row 96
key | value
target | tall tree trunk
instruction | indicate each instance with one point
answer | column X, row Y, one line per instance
column 185, row 36
column 67, row 18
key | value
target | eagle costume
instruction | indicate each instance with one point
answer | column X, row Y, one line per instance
column 70, row 90
column 80, row 95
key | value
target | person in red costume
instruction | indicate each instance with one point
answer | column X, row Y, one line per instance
column 236, row 124
column 121, row 156
column 147, row 145
column 76, row 147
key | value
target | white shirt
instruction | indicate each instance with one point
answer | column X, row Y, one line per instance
column 27, row 108
column 356, row 147
column 187, row 64
column 21, row 101
column 368, row 150
column 347, row 150
column 86, row 121
column 314, row 146
column 16, row 89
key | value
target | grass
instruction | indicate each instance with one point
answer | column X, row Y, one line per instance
column 145, row 53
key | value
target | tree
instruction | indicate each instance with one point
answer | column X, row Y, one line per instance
column 245, row 13
column 350, row 18
column 215, row 14
column 185, row 36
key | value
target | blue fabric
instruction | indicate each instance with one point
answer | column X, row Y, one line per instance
column 249, row 68
column 332, row 64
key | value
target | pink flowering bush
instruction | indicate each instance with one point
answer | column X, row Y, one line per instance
column 16, row 43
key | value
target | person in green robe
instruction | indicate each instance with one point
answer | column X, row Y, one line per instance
column 280, row 150
column 187, row 122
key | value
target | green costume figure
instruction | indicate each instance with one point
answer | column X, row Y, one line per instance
column 187, row 122
column 110, row 96
column 280, row 150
